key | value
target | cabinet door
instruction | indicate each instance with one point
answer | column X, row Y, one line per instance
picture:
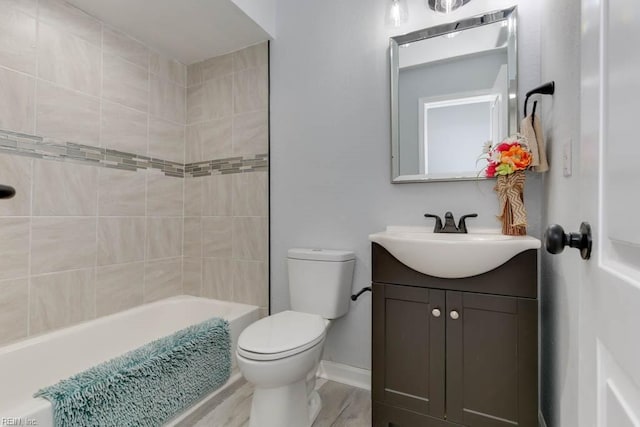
column 408, row 348
column 492, row 368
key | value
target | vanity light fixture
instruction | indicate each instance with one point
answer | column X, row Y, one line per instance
column 446, row 6
column 398, row 13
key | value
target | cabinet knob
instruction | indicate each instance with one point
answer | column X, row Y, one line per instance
column 454, row 315
column 436, row 312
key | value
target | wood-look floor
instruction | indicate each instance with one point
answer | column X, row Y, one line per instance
column 342, row 406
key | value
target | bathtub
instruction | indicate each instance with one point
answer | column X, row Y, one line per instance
column 29, row 365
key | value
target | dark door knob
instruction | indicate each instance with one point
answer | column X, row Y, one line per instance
column 7, row 192
column 555, row 239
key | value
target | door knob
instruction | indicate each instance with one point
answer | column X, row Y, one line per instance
column 7, row 192
column 555, row 239
column 436, row 312
column 454, row 315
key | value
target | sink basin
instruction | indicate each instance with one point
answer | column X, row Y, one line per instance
column 452, row 256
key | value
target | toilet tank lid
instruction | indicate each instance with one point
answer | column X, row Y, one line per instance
column 321, row 254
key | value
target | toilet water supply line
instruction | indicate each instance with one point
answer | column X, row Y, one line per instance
column 362, row 291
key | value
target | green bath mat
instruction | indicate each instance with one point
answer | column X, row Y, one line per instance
column 149, row 385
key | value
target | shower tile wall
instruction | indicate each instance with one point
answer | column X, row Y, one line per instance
column 83, row 239
column 80, row 241
column 226, row 215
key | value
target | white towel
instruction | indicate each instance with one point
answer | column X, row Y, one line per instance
column 534, row 136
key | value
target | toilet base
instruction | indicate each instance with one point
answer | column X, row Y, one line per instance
column 288, row 406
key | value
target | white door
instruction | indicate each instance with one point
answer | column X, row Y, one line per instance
column 609, row 360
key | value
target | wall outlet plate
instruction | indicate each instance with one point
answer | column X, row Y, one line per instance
column 567, row 154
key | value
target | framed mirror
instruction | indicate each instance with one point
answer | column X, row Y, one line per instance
column 453, row 88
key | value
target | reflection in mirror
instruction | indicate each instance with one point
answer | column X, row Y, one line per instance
column 453, row 89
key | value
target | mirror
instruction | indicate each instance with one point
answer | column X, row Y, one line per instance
column 453, row 88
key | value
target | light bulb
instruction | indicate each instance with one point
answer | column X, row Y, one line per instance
column 398, row 13
column 447, row 6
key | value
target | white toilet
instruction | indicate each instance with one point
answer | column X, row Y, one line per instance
column 280, row 354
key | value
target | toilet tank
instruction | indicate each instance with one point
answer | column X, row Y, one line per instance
column 320, row 281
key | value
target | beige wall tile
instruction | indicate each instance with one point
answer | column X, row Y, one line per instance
column 168, row 69
column 14, row 309
column 250, row 283
column 164, row 238
column 120, row 240
column 26, row 6
column 217, row 276
column 67, row 115
column 123, row 129
column 217, row 67
column 17, row 40
column 14, row 247
column 192, row 276
column 121, row 193
column 164, row 194
column 216, row 195
column 251, row 57
column 16, row 102
column 65, row 189
column 119, row 287
column 163, row 279
column 250, row 238
column 117, row 43
column 61, row 299
column 194, row 74
column 166, row 140
column 167, row 100
column 71, row 19
column 62, row 243
column 217, row 236
column 68, row 60
column 193, row 196
column 16, row 171
column 125, row 83
column 250, row 90
column 210, row 100
column 208, row 140
column 251, row 133
column 192, row 241
column 251, row 194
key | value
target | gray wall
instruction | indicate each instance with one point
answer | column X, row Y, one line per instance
column 443, row 78
column 560, row 286
column 330, row 144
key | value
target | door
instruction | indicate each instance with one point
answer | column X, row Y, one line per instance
column 609, row 363
column 492, row 360
column 408, row 348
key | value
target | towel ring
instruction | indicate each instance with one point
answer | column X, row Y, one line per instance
column 545, row 89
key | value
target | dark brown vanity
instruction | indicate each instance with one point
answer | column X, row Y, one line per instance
column 452, row 352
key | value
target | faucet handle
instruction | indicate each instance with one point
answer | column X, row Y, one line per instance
column 462, row 225
column 438, row 225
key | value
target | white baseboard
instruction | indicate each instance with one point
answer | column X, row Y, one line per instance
column 541, row 420
column 345, row 374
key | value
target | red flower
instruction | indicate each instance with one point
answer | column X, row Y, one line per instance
column 491, row 170
column 503, row 147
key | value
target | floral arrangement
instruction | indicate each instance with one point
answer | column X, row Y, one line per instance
column 506, row 157
column 507, row 161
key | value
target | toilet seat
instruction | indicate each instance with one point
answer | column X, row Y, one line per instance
column 282, row 335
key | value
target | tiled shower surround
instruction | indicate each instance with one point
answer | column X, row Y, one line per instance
column 145, row 180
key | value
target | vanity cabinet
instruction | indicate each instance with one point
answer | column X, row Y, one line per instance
column 455, row 352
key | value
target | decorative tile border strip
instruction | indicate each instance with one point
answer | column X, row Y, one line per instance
column 51, row 149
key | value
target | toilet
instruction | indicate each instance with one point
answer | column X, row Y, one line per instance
column 280, row 354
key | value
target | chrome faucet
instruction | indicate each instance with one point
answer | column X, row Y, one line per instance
column 449, row 223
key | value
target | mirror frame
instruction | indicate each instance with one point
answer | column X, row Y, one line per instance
column 509, row 15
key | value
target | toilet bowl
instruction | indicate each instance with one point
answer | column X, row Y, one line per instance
column 280, row 354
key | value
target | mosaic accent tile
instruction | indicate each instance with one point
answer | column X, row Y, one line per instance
column 52, row 149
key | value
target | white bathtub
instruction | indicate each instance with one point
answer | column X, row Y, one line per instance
column 29, row 365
